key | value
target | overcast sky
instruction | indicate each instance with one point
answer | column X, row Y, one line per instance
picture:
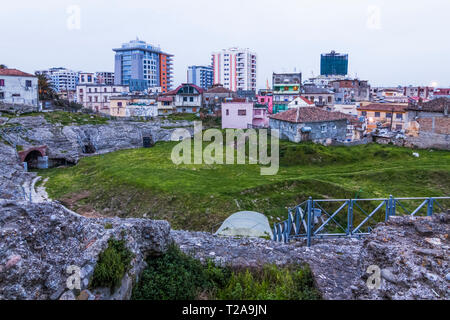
column 389, row 42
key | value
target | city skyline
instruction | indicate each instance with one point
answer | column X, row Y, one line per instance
column 388, row 44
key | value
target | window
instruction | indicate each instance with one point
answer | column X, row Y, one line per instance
column 114, row 89
column 2, row 95
column 323, row 128
column 119, row 104
column 242, row 112
column 377, row 114
column 191, row 99
column 2, row 82
column 228, row 112
column 398, row 127
column 388, row 115
column 399, row 116
column 104, row 90
column 364, row 113
column 185, row 99
column 81, row 90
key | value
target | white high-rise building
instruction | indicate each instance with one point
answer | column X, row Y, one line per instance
column 61, row 79
column 235, row 69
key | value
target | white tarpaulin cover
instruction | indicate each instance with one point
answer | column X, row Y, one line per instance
column 247, row 224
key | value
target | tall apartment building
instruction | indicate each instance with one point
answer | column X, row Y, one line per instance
column 286, row 87
column 235, row 69
column 61, row 79
column 104, row 77
column 142, row 65
column 333, row 63
column 201, row 76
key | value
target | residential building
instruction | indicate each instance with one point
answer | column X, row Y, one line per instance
column 310, row 124
column 143, row 63
column 18, row 87
column 215, row 96
column 300, row 102
column 260, row 116
column 61, row 79
column 430, row 117
column 235, row 68
column 133, row 106
column 323, row 81
column 333, row 63
column 322, row 97
column 265, row 97
column 186, row 98
column 86, row 78
column 165, row 105
column 243, row 115
column 104, row 77
column 389, row 94
column 248, row 95
column 286, row 87
column 419, row 92
column 201, row 76
column 441, row 93
column 392, row 117
column 71, row 95
column 348, row 91
column 97, row 96
column 349, row 109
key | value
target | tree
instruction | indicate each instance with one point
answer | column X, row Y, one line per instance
column 2, row 66
column 46, row 92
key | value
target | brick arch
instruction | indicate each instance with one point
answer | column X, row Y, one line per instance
column 23, row 154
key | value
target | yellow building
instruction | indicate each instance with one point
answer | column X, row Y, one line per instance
column 390, row 116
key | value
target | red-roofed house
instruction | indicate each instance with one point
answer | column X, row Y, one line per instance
column 310, row 124
column 300, row 102
column 186, row 98
column 18, row 87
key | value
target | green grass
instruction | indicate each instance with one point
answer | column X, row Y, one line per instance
column 183, row 116
column 145, row 182
column 177, row 276
column 68, row 118
column 112, row 264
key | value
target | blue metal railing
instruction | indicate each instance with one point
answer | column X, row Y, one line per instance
column 320, row 218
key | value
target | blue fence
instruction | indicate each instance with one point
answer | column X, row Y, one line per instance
column 316, row 219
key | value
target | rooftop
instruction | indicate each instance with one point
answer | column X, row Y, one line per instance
column 309, row 114
column 435, row 105
column 389, row 107
column 15, row 73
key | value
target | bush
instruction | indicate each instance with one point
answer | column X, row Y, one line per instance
column 271, row 283
column 112, row 265
column 176, row 276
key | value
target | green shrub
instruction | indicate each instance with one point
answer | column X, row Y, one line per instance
column 271, row 283
column 112, row 265
column 177, row 276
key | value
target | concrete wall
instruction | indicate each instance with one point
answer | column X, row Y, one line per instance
column 231, row 117
column 15, row 90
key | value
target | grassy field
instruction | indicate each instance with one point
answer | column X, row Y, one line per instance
column 66, row 118
column 145, row 183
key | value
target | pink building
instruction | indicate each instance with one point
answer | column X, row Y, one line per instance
column 267, row 100
column 243, row 115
